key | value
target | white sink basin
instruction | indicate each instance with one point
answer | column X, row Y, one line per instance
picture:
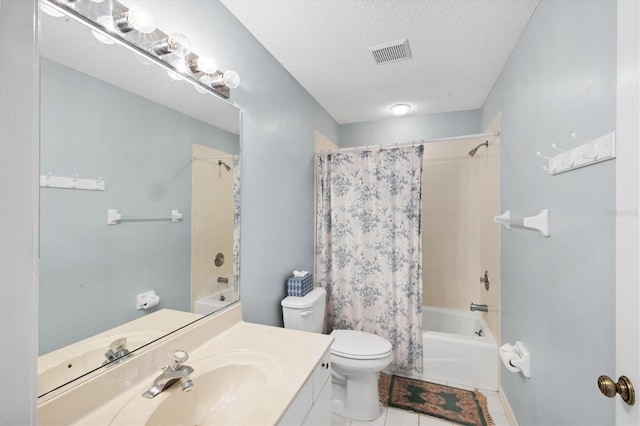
column 228, row 389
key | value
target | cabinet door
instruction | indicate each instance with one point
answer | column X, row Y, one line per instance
column 300, row 406
column 321, row 374
column 320, row 414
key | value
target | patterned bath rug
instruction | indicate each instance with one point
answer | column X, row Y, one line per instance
column 455, row 405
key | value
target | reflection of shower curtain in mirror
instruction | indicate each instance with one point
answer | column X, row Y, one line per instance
column 236, row 226
column 369, row 250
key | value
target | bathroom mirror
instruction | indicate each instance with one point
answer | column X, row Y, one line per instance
column 139, row 193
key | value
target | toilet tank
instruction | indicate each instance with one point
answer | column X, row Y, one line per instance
column 305, row 313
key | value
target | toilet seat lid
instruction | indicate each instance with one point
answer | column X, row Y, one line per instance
column 359, row 344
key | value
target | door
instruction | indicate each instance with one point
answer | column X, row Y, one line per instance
column 627, row 196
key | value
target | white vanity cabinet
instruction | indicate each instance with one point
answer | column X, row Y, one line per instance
column 312, row 404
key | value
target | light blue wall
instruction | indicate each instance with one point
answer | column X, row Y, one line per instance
column 557, row 293
column 278, row 124
column 143, row 151
column 406, row 129
column 279, row 121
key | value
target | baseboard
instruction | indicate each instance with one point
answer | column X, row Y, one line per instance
column 507, row 407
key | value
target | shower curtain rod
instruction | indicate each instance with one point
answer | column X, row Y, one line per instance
column 412, row 143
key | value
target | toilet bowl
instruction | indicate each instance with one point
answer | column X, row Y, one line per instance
column 356, row 361
column 357, row 357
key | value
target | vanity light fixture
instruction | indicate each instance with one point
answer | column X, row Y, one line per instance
column 113, row 22
column 135, row 19
column 205, row 64
column 107, row 23
column 177, row 44
column 229, row 79
column 400, row 109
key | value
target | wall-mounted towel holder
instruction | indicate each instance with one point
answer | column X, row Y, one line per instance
column 49, row 181
column 539, row 222
column 585, row 154
column 114, row 217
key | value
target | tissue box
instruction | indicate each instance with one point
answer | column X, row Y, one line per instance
column 299, row 286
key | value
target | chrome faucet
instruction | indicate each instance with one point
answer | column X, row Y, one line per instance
column 117, row 350
column 172, row 373
column 477, row 307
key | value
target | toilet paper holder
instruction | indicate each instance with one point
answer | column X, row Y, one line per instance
column 516, row 358
column 147, row 300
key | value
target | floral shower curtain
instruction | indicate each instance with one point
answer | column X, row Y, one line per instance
column 369, row 250
column 236, row 226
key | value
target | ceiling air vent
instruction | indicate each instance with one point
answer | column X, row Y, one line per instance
column 391, row 52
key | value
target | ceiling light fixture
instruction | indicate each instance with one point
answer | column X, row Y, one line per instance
column 400, row 109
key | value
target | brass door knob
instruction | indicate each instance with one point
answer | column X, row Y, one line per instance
column 624, row 387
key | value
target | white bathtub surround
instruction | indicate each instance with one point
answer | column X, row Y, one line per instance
column 368, row 248
column 454, row 350
column 461, row 195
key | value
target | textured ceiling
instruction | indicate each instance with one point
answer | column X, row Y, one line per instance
column 458, row 46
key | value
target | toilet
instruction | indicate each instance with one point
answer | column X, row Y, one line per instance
column 356, row 357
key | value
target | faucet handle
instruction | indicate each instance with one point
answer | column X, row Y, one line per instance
column 118, row 344
column 178, row 357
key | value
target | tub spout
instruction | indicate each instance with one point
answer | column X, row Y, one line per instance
column 477, row 307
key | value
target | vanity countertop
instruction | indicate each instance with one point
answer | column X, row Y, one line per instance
column 293, row 356
column 88, row 354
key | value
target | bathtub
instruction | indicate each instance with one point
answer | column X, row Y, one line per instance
column 454, row 353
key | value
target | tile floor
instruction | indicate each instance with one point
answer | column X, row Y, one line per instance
column 395, row 417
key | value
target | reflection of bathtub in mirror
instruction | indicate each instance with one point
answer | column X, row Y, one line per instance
column 214, row 301
column 67, row 363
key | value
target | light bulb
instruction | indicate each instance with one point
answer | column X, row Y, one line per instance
column 141, row 21
column 231, row 79
column 400, row 109
column 136, row 19
column 205, row 64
